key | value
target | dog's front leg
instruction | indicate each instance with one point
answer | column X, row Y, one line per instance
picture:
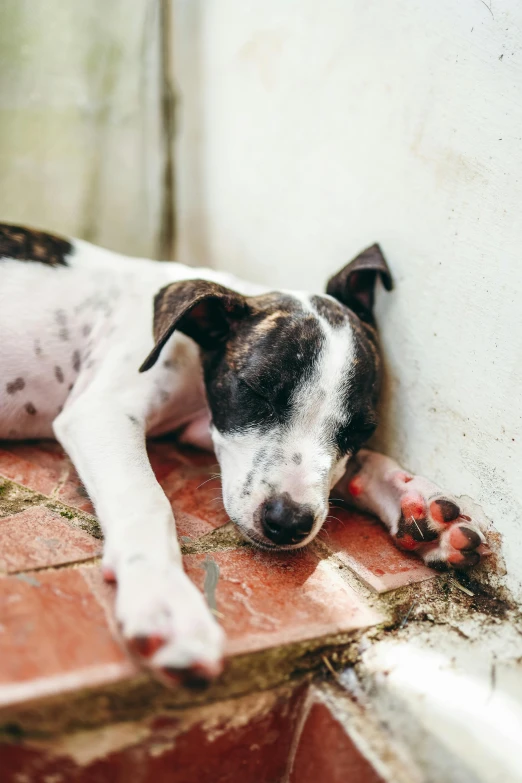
column 418, row 514
column 162, row 614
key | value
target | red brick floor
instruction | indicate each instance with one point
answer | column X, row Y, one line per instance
column 326, row 753
column 244, row 741
column 364, row 545
column 57, row 632
column 265, row 600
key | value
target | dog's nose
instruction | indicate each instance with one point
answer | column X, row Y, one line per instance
column 284, row 521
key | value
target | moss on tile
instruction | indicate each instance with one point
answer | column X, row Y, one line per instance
column 134, row 699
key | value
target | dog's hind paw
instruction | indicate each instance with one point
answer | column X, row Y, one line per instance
column 168, row 625
column 420, row 517
column 433, row 525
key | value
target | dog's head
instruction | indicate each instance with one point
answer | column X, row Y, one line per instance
column 292, row 382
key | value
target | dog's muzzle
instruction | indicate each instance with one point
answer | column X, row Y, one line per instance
column 285, row 522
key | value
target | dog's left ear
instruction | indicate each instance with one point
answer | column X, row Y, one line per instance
column 202, row 310
column 354, row 285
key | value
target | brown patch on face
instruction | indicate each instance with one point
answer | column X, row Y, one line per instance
column 269, row 314
column 27, row 244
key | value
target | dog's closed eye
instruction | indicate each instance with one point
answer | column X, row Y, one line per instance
column 261, row 396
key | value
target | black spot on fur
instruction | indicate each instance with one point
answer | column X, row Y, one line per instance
column 247, row 484
column 297, row 459
column 31, row 410
column 76, row 361
column 17, row 385
column 132, row 419
column 37, row 348
column 26, row 244
column 86, row 330
column 59, row 374
column 259, row 457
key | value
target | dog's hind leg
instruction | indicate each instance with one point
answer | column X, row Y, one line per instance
column 419, row 515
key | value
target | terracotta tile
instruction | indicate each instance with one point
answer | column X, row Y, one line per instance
column 167, row 448
column 245, row 746
column 44, row 467
column 52, row 626
column 38, row 537
column 267, row 600
column 326, row 753
column 363, row 544
column 162, row 462
column 73, row 493
column 46, row 454
column 27, row 473
column 197, row 497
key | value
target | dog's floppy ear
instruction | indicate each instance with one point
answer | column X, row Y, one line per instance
column 200, row 309
column 354, row 285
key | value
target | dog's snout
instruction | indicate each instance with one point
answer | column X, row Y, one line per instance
column 284, row 521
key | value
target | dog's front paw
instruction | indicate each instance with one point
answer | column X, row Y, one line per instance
column 167, row 623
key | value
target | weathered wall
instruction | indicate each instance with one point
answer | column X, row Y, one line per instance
column 80, row 137
column 309, row 130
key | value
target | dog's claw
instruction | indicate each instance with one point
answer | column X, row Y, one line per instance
column 146, row 646
column 108, row 574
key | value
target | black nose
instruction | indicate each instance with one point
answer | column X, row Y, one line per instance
column 284, row 521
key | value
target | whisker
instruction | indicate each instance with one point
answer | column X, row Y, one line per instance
column 336, row 519
column 212, row 478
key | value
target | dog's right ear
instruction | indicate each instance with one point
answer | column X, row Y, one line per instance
column 202, row 310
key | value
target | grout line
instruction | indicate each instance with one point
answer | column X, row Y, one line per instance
column 90, row 561
column 308, row 703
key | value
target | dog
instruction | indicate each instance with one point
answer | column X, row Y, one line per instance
column 100, row 350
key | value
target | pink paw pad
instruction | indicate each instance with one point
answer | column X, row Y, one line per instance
column 414, row 528
column 444, row 511
column 464, row 538
column 355, row 486
column 464, row 559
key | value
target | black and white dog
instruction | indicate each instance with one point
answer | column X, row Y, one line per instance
column 100, row 350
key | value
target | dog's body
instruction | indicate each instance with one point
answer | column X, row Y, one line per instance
column 292, row 384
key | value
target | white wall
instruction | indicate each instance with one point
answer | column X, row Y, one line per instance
column 80, row 135
column 309, row 130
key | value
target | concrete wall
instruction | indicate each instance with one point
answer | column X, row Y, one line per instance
column 80, row 134
column 309, row 130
